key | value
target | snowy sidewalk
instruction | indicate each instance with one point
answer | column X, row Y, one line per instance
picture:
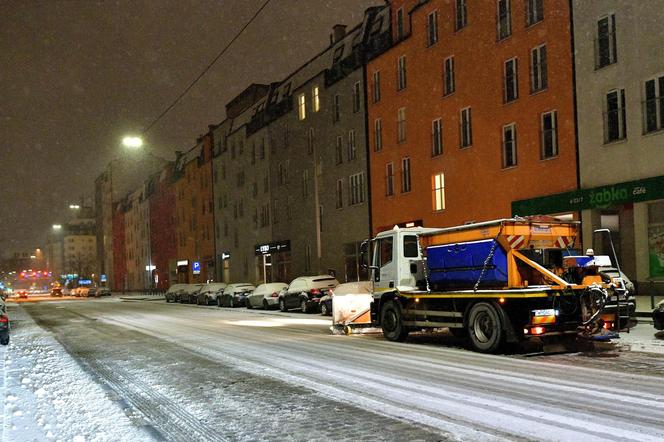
column 46, row 395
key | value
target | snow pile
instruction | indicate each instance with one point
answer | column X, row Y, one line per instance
column 46, row 395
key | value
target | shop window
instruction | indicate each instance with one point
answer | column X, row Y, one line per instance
column 656, row 239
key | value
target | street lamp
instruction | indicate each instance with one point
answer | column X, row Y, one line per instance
column 74, row 206
column 132, row 142
column 57, row 226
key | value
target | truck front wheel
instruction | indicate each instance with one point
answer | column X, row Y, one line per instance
column 391, row 320
column 485, row 328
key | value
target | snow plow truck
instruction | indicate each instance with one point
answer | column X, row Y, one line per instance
column 495, row 282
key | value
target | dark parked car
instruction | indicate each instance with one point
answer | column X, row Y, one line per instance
column 658, row 316
column 326, row 305
column 103, row 291
column 209, row 293
column 56, row 291
column 235, row 295
column 173, row 292
column 4, row 323
column 189, row 294
column 305, row 293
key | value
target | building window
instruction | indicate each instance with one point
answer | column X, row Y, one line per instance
column 301, row 107
column 340, row 194
column 538, row 69
column 461, row 15
column 389, row 179
column 275, row 212
column 549, row 134
column 305, row 182
column 315, row 98
column 466, row 128
column 356, row 195
column 339, row 150
column 509, row 146
column 282, row 172
column 401, row 73
column 310, row 145
column 615, row 119
column 376, row 86
column 401, row 125
column 378, row 135
column 605, row 44
column 511, row 77
column 436, row 137
column 357, row 100
column 400, row 24
column 448, row 76
column 504, row 19
column 336, row 116
column 438, row 192
column 534, row 11
column 654, row 105
column 432, row 28
column 405, row 175
column 266, row 183
column 352, row 151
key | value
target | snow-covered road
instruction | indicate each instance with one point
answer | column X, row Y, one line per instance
column 197, row 373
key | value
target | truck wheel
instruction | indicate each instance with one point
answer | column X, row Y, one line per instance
column 391, row 320
column 485, row 328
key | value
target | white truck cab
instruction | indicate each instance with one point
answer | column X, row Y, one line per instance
column 397, row 259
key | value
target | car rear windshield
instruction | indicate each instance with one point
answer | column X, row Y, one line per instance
column 325, row 280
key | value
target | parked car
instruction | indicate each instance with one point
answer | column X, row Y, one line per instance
column 83, row 292
column 189, row 294
column 103, row 291
column 326, row 305
column 305, row 293
column 173, row 292
column 4, row 323
column 56, row 291
column 658, row 315
column 22, row 294
column 92, row 292
column 266, row 295
column 235, row 295
column 208, row 294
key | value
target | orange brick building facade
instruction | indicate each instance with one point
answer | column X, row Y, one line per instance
column 508, row 62
column 195, row 213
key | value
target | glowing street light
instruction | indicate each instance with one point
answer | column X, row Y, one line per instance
column 132, row 142
column 57, row 226
column 74, row 206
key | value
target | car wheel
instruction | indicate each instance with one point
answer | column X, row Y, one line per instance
column 323, row 309
column 4, row 339
column 282, row 305
column 391, row 321
column 303, row 306
column 485, row 327
column 218, row 301
column 266, row 306
column 231, row 302
column 248, row 304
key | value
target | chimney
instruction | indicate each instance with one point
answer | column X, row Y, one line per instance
column 338, row 32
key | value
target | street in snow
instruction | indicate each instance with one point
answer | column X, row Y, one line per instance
column 146, row 370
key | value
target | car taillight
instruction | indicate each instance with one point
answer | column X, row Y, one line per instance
column 275, row 295
column 4, row 319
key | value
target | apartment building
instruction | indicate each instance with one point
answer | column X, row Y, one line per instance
column 194, row 212
column 619, row 61
column 163, row 234
column 471, row 108
column 137, row 240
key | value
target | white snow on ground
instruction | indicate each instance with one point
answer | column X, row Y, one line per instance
column 643, row 338
column 46, row 395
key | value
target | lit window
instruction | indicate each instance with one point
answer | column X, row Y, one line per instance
column 302, row 107
column 439, row 192
column 315, row 95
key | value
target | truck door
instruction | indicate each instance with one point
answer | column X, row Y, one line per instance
column 384, row 272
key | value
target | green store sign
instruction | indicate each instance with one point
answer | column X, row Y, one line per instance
column 596, row 198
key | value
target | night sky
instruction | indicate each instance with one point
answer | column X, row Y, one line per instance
column 75, row 76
